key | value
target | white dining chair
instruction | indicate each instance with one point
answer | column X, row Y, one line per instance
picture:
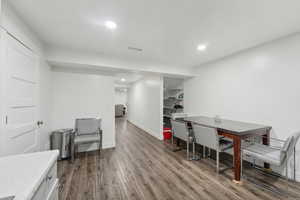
column 181, row 131
column 208, row 137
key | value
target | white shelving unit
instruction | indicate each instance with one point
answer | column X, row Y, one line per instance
column 173, row 98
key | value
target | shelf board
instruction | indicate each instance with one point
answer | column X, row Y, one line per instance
column 170, row 108
column 173, row 99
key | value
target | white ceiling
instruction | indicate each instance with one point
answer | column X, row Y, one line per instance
column 168, row 31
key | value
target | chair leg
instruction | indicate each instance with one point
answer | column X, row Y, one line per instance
column 172, row 142
column 294, row 163
column 187, row 150
column 72, row 151
column 209, row 152
column 100, row 144
column 254, row 163
column 286, row 174
column 100, row 149
column 242, row 164
column 203, row 151
column 218, row 160
column 193, row 150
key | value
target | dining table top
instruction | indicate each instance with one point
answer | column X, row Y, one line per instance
column 227, row 126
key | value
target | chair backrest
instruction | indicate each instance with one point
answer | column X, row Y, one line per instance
column 296, row 138
column 291, row 143
column 87, row 126
column 287, row 144
column 179, row 129
column 206, row 136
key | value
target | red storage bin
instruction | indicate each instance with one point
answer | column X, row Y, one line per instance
column 167, row 133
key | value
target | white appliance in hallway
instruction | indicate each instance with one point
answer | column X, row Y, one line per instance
column 19, row 86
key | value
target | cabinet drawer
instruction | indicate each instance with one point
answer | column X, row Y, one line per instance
column 48, row 184
column 51, row 178
column 40, row 193
column 53, row 194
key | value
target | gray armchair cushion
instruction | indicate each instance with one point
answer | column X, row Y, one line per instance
column 86, row 139
column 265, row 153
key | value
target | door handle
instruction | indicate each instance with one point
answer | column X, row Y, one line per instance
column 39, row 123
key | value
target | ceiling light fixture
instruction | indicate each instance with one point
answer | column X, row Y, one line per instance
column 135, row 49
column 201, row 47
column 123, row 79
column 111, row 25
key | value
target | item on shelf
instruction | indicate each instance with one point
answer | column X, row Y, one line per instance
column 178, row 106
column 180, row 96
column 167, row 133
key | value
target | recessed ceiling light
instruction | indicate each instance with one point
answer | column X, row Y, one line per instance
column 123, row 79
column 201, row 47
column 111, row 25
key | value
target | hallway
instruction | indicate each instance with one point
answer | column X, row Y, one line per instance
column 141, row 167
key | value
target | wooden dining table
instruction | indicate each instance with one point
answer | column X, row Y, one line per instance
column 237, row 131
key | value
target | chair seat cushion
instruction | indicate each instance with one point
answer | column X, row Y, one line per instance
column 86, row 138
column 264, row 153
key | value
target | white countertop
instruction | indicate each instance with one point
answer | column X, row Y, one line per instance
column 21, row 175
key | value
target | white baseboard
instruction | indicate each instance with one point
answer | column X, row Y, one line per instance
column 108, row 146
column 151, row 132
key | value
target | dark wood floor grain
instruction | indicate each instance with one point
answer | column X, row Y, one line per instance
column 143, row 168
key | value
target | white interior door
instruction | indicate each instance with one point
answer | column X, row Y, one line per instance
column 20, row 98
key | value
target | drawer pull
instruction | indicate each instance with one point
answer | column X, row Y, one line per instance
column 49, row 178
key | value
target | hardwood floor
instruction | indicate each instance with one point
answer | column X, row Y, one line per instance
column 141, row 167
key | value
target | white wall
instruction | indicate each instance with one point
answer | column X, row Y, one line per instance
column 145, row 105
column 120, row 97
column 260, row 85
column 15, row 26
column 2, row 89
column 0, row 12
column 80, row 96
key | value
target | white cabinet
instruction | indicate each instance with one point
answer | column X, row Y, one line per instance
column 31, row 176
column 48, row 189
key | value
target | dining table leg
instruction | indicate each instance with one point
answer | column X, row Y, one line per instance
column 237, row 159
column 236, row 155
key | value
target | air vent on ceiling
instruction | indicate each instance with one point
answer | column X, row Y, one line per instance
column 135, row 49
